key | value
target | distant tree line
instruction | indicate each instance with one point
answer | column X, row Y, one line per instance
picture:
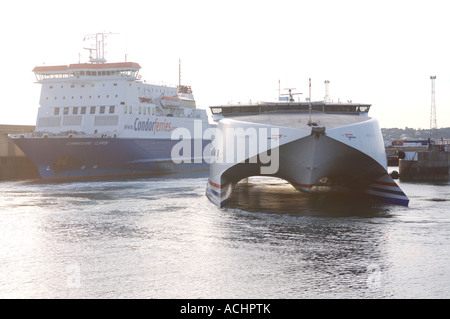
column 392, row 134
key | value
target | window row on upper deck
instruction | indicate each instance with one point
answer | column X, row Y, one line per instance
column 105, row 73
column 112, row 109
column 82, row 73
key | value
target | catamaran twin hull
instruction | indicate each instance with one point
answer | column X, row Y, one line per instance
column 62, row 157
column 344, row 150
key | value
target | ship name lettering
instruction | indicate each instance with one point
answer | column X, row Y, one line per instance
column 79, row 143
column 152, row 126
column 101, row 143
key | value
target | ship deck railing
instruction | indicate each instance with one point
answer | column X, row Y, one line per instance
column 346, row 108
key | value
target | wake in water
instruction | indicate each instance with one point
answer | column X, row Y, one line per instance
column 273, row 195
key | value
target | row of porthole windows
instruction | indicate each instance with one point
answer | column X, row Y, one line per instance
column 169, row 92
column 141, row 110
column 83, row 109
column 165, row 92
column 82, row 85
column 75, row 110
column 81, row 97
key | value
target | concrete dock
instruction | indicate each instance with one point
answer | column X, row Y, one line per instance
column 13, row 162
column 428, row 165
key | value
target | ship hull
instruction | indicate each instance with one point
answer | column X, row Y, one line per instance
column 350, row 156
column 57, row 158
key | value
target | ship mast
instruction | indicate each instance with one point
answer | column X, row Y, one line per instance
column 179, row 72
column 310, row 123
column 99, row 47
column 184, row 89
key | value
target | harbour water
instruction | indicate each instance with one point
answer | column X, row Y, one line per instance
column 160, row 237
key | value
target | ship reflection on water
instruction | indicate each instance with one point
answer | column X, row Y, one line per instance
column 274, row 195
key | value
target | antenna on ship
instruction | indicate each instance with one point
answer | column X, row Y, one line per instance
column 182, row 89
column 99, row 47
column 310, row 105
column 290, row 94
column 179, row 72
column 279, row 89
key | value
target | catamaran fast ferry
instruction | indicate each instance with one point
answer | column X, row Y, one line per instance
column 308, row 144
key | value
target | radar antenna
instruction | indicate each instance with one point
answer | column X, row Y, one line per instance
column 99, row 47
column 290, row 94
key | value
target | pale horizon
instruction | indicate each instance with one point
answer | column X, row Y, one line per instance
column 381, row 53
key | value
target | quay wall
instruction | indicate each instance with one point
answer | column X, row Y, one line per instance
column 431, row 165
column 14, row 164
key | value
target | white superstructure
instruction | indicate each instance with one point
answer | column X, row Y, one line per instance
column 100, row 118
column 109, row 98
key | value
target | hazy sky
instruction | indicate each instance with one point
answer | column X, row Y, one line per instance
column 378, row 52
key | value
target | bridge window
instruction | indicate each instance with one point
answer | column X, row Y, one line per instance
column 92, row 109
column 83, row 110
column 112, row 109
column 56, row 111
column 102, row 110
column 66, row 110
column 75, row 110
column 364, row 109
column 216, row 110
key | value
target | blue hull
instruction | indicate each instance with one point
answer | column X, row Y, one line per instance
column 94, row 157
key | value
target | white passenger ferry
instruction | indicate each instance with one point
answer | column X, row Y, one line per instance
column 101, row 119
column 308, row 144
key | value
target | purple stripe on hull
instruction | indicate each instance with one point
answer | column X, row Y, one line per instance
column 386, row 189
column 83, row 157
